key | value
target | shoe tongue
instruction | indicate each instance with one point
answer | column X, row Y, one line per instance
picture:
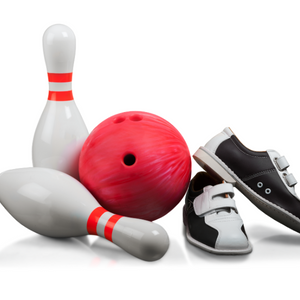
column 224, row 211
column 221, row 211
column 207, row 188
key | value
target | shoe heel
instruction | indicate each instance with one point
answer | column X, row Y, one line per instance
column 184, row 216
column 210, row 165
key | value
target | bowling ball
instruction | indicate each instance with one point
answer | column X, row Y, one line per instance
column 136, row 164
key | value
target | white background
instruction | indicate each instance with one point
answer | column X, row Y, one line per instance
column 201, row 65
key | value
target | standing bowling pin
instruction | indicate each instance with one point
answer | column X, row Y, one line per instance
column 54, row 204
column 61, row 131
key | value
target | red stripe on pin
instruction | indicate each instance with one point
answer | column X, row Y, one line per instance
column 93, row 220
column 109, row 227
column 60, row 96
column 60, row 77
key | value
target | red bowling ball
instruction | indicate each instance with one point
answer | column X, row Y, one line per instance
column 136, row 164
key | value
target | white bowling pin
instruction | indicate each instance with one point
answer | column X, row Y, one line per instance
column 61, row 131
column 54, row 204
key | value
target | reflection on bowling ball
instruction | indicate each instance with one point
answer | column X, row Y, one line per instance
column 136, row 164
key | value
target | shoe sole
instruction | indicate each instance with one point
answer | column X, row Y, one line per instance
column 212, row 164
column 209, row 249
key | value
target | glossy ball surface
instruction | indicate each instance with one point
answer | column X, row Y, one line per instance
column 136, row 164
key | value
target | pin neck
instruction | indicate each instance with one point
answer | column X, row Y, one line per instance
column 107, row 227
column 60, row 86
column 60, row 96
column 60, row 77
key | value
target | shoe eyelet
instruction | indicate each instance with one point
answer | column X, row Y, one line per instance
column 259, row 184
column 268, row 191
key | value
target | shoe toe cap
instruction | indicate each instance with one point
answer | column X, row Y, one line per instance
column 232, row 241
column 231, row 234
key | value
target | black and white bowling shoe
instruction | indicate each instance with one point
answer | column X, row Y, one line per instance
column 261, row 176
column 211, row 219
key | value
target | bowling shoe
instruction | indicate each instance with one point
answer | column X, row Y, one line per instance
column 261, row 176
column 211, row 219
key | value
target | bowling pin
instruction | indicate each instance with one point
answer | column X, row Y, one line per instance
column 61, row 131
column 55, row 204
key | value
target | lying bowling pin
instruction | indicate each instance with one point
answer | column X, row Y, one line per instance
column 55, row 204
column 61, row 131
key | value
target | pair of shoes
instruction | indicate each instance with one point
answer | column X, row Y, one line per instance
column 262, row 176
